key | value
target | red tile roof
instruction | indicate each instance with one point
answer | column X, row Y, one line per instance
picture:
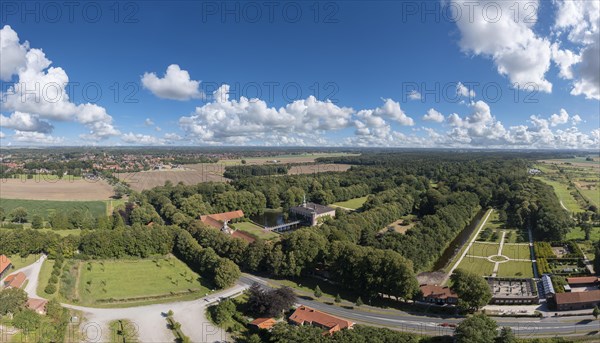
column 582, row 280
column 216, row 220
column 263, row 323
column 243, row 235
column 578, row 297
column 38, row 305
column 15, row 280
column 4, row 263
column 437, row 292
column 304, row 314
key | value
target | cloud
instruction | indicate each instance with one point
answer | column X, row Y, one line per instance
column 36, row 137
column 579, row 20
column 173, row 137
column 25, row 122
column 140, row 139
column 2, row 135
column 49, row 100
column 414, row 95
column 238, row 121
column 490, row 29
column 148, row 122
column 462, row 90
column 434, row 116
column 391, row 109
column 575, row 120
column 558, row 119
column 12, row 52
column 175, row 85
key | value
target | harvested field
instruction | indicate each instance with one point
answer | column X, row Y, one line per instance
column 318, row 168
column 65, row 190
column 150, row 179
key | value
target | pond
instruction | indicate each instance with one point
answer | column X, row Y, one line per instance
column 269, row 218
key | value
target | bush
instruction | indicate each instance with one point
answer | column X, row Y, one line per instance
column 50, row 289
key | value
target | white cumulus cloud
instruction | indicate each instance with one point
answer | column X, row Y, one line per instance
column 176, row 84
column 434, row 116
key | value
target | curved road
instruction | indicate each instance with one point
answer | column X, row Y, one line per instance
column 151, row 324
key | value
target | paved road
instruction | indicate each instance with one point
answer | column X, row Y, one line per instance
column 431, row 325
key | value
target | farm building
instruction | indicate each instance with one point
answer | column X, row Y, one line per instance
column 577, row 300
column 583, row 281
column 5, row 265
column 508, row 291
column 306, row 315
column 438, row 295
column 220, row 221
column 311, row 212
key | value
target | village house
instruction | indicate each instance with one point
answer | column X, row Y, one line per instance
column 306, row 315
column 37, row 305
column 311, row 212
column 15, row 280
column 438, row 295
column 5, row 265
column 263, row 323
column 220, row 221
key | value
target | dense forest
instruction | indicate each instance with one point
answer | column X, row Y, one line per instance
column 443, row 192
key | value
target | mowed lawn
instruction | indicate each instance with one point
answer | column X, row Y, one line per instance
column 515, row 269
column 478, row 266
column 136, row 280
column 516, row 251
column 19, row 262
column 483, row 249
column 578, row 234
column 255, row 230
column 46, row 207
column 353, row 204
column 563, row 194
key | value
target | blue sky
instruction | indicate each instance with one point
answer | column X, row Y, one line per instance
column 338, row 73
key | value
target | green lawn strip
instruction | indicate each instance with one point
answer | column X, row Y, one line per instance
column 354, row 204
column 514, row 251
column 19, row 262
column 563, row 194
column 479, row 266
column 134, row 281
column 592, row 195
column 577, row 234
column 255, row 230
column 62, row 233
column 483, row 249
column 45, row 273
column 515, row 269
column 46, row 207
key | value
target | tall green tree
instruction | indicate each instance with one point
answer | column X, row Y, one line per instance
column 476, row 329
column 473, row 291
column 18, row 215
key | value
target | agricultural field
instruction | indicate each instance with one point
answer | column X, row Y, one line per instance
column 192, row 175
column 255, row 230
column 134, row 281
column 515, row 269
column 55, row 190
column 46, row 207
column 318, row 168
column 282, row 159
column 352, row 204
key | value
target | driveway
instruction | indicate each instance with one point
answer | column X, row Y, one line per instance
column 148, row 320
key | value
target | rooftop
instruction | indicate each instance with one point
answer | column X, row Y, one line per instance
column 4, row 263
column 263, row 323
column 304, row 314
column 578, row 297
column 15, row 280
column 310, row 207
column 582, row 280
